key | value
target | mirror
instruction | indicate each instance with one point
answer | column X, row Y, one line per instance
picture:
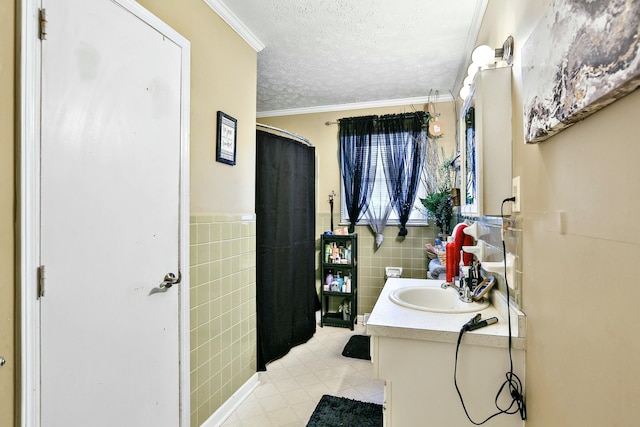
column 470, row 187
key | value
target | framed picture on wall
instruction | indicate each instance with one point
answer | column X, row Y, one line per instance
column 580, row 57
column 226, row 139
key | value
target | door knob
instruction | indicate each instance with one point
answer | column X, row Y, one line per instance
column 170, row 279
column 2, row 362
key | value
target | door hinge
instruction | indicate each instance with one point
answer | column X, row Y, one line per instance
column 42, row 15
column 41, row 281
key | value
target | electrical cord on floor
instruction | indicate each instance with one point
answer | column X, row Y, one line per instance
column 512, row 382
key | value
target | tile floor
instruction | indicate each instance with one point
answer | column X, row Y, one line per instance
column 292, row 386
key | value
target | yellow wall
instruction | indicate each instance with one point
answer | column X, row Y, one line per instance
column 223, row 77
column 6, row 211
column 580, row 288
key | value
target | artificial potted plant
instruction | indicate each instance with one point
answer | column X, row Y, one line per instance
column 439, row 207
column 439, row 202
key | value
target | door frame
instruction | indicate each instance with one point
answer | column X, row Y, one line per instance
column 28, row 208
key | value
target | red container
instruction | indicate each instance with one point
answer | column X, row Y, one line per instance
column 451, row 265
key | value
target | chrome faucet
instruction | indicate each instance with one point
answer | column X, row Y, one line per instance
column 463, row 291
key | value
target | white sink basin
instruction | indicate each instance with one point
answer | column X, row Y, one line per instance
column 436, row 300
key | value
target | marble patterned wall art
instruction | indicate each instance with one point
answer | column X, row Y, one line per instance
column 581, row 57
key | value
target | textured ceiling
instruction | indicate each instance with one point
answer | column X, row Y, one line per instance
column 326, row 53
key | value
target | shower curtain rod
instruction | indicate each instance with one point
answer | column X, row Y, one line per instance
column 301, row 139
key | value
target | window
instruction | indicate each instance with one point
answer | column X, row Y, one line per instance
column 380, row 197
column 402, row 144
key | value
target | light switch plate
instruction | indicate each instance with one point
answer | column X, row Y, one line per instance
column 515, row 206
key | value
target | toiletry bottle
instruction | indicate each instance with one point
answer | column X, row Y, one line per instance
column 347, row 283
column 327, row 252
column 340, row 281
column 328, row 280
column 450, row 264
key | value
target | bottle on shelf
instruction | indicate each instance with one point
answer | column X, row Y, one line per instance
column 335, row 287
column 335, row 253
column 328, row 281
column 340, row 281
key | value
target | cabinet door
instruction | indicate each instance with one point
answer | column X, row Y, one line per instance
column 485, row 144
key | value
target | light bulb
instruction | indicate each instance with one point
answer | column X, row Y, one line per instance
column 483, row 54
column 468, row 81
column 472, row 70
column 464, row 92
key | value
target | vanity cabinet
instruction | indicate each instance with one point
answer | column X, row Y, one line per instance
column 485, row 144
column 419, row 384
column 414, row 352
column 339, row 280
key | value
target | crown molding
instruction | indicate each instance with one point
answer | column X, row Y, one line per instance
column 223, row 11
column 355, row 106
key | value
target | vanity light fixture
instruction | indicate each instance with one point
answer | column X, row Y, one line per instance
column 484, row 56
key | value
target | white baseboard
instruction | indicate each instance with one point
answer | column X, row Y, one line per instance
column 217, row 418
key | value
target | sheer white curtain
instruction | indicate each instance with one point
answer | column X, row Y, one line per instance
column 380, row 207
column 378, row 216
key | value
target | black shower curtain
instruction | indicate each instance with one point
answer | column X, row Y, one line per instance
column 286, row 298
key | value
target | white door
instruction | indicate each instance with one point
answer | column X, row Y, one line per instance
column 110, row 218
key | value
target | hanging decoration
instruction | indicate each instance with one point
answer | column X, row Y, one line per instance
column 436, row 126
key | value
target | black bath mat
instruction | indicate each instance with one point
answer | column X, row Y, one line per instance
column 341, row 412
column 358, row 347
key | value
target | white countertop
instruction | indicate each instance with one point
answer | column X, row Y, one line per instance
column 391, row 320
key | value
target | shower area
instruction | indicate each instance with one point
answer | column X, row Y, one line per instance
column 286, row 297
